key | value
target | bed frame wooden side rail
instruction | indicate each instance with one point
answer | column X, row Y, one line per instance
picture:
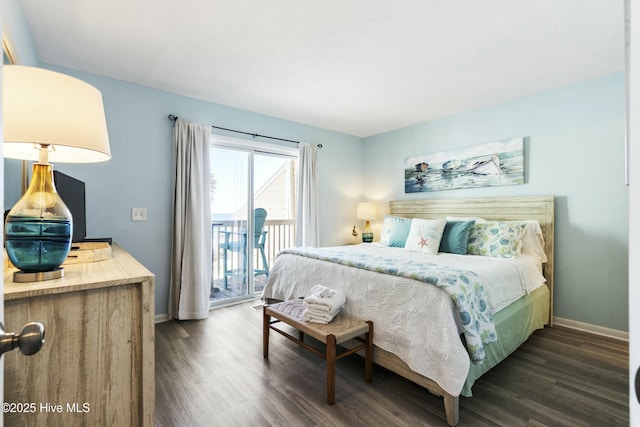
column 540, row 208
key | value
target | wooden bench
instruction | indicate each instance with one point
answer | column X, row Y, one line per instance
column 341, row 329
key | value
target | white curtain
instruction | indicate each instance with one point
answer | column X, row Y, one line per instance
column 191, row 265
column 307, row 223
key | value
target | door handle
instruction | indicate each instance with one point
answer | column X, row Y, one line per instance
column 29, row 341
column 637, row 387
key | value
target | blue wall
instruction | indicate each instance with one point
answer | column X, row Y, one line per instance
column 17, row 29
column 574, row 151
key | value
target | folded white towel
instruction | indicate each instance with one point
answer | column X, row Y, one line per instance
column 322, row 291
column 320, row 313
column 322, row 308
column 337, row 300
column 323, row 313
column 315, row 317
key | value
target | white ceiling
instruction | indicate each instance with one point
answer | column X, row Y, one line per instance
column 360, row 67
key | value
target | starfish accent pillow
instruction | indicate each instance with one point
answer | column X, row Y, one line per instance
column 424, row 235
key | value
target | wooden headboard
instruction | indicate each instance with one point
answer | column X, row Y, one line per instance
column 540, row 208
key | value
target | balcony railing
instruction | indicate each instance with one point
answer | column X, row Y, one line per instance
column 280, row 235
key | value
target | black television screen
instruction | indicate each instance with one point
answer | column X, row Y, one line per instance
column 71, row 191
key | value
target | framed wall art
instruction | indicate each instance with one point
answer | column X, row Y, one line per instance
column 491, row 164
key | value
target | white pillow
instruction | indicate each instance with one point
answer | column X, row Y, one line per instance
column 425, row 235
column 533, row 241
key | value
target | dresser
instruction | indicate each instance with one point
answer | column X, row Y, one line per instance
column 97, row 363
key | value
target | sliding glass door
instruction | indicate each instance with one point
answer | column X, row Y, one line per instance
column 253, row 215
column 229, row 191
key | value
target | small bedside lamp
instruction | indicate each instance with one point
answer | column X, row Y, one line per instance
column 366, row 211
column 47, row 116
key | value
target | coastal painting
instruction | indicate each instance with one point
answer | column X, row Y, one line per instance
column 491, row 164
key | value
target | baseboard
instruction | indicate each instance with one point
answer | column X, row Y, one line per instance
column 160, row 318
column 593, row 329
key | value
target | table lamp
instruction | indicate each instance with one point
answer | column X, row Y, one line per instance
column 47, row 116
column 366, row 211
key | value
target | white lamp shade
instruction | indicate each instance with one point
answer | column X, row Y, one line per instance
column 366, row 210
column 45, row 107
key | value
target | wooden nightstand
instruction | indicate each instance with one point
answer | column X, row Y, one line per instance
column 97, row 365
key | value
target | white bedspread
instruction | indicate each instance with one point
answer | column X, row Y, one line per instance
column 414, row 320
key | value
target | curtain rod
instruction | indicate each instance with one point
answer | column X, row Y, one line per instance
column 173, row 118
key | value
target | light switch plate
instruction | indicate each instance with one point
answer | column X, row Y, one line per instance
column 138, row 214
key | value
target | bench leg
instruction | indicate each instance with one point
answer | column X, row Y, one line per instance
column 331, row 369
column 368, row 354
column 266, row 321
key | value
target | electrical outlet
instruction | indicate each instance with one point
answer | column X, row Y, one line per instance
column 138, row 214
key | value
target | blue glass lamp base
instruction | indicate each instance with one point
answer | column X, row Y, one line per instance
column 37, row 245
column 38, row 229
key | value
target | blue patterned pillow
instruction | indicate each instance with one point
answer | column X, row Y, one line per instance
column 496, row 238
column 395, row 230
column 456, row 237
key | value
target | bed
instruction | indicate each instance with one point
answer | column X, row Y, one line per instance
column 423, row 332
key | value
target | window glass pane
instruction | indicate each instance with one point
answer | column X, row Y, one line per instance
column 229, row 185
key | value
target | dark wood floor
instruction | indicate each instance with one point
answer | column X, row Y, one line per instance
column 211, row 373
